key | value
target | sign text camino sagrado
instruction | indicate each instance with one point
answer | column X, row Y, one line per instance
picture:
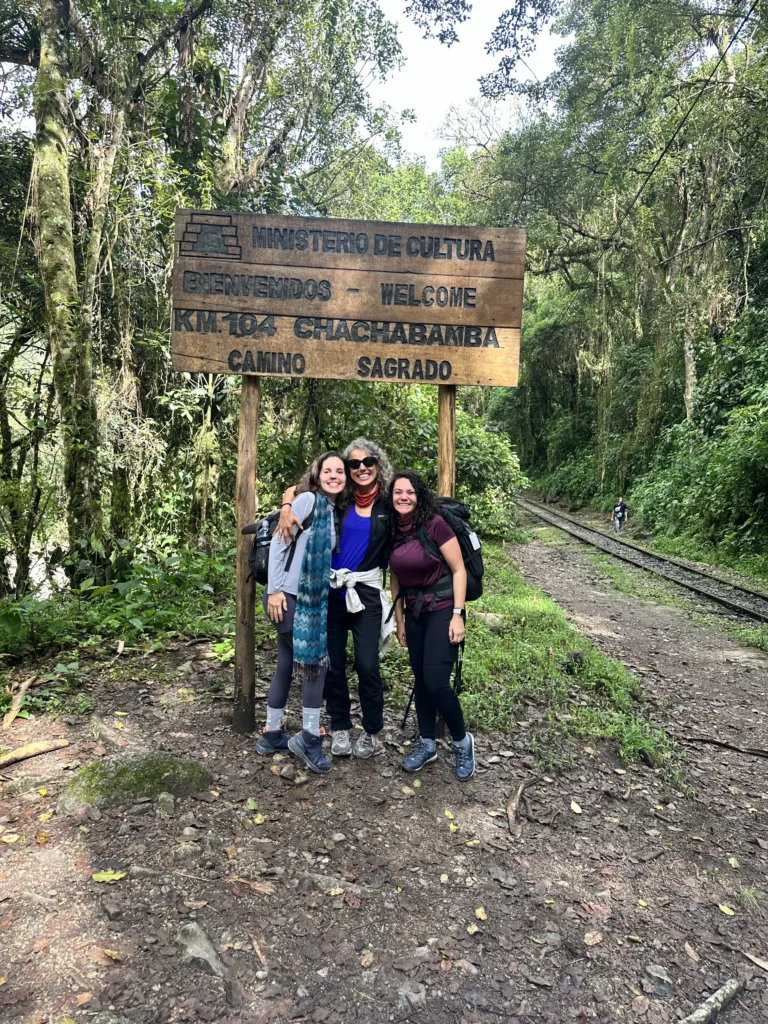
column 346, row 299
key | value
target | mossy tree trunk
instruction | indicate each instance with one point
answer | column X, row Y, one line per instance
column 70, row 342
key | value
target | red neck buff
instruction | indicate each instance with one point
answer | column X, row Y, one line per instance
column 364, row 500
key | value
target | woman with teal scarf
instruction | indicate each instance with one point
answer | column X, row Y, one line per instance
column 296, row 601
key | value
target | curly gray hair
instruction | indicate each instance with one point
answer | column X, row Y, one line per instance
column 385, row 466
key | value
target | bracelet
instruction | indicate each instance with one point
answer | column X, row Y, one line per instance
column 286, row 503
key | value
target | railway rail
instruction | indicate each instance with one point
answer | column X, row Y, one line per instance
column 713, row 588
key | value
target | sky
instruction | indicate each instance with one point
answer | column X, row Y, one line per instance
column 435, row 78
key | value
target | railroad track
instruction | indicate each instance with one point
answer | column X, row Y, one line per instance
column 713, row 588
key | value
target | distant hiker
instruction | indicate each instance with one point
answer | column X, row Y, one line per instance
column 425, row 550
column 296, row 601
column 619, row 516
column 360, row 603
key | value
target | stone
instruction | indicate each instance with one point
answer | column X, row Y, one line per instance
column 126, row 779
column 475, row 999
column 411, row 994
column 492, row 620
column 338, row 837
column 113, row 911
column 140, row 809
column 211, row 844
column 657, row 981
column 165, row 803
column 186, row 853
column 138, row 871
column 198, row 951
column 288, row 772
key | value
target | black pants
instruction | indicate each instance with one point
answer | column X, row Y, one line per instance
column 311, row 692
column 432, row 659
column 366, row 628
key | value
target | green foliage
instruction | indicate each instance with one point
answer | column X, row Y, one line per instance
column 161, row 598
column 60, row 692
column 643, row 361
column 517, row 656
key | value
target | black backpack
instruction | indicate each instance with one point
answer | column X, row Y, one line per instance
column 258, row 556
column 456, row 514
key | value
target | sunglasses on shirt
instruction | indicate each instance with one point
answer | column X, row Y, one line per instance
column 368, row 462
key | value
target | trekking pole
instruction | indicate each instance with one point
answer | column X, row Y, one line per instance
column 457, row 681
column 407, row 710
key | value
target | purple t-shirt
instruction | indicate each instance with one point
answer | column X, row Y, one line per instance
column 415, row 568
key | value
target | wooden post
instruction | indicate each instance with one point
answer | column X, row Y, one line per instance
column 244, row 708
column 446, row 444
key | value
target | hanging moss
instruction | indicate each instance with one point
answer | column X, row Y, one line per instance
column 121, row 779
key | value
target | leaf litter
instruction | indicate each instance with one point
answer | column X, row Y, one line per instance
column 531, row 888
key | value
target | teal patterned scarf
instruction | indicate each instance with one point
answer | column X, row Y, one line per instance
column 310, row 623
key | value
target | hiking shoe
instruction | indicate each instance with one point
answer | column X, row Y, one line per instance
column 423, row 754
column 309, row 748
column 465, row 758
column 366, row 746
column 341, row 746
column 271, row 742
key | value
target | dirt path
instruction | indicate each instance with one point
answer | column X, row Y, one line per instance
column 360, row 897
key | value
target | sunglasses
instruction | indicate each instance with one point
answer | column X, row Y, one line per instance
column 368, row 461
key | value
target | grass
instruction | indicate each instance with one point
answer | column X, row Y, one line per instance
column 752, row 567
column 517, row 658
column 550, row 535
column 647, row 587
column 517, row 654
column 750, row 899
column 750, row 636
column 639, row 583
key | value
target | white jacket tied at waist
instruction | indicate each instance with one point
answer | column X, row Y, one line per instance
column 372, row 578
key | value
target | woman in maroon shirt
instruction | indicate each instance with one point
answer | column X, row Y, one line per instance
column 427, row 575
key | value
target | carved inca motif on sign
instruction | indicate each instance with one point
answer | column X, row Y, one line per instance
column 210, row 234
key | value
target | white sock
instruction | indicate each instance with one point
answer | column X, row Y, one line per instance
column 311, row 720
column 274, row 718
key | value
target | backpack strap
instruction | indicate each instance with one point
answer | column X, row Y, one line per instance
column 424, row 539
column 304, row 526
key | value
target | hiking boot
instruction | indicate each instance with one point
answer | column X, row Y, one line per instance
column 423, row 754
column 272, row 741
column 465, row 757
column 366, row 746
column 309, row 748
column 341, row 746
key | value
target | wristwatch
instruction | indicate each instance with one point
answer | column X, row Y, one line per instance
column 458, row 611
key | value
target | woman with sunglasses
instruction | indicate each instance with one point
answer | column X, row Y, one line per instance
column 358, row 601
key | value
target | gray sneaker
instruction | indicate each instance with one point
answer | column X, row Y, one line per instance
column 366, row 746
column 341, row 746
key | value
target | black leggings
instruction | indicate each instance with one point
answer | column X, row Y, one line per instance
column 312, row 693
column 432, row 659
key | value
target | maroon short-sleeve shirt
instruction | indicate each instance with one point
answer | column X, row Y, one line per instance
column 414, row 567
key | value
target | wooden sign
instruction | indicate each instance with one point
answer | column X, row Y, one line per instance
column 346, row 299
